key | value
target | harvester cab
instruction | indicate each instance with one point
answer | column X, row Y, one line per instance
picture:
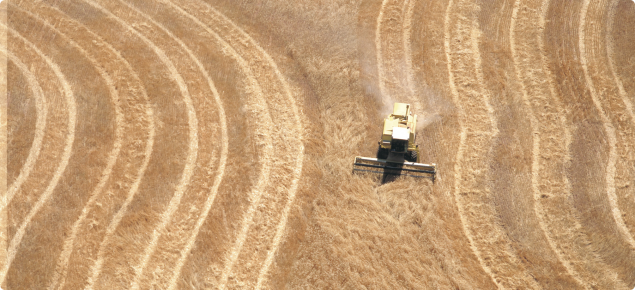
column 397, row 153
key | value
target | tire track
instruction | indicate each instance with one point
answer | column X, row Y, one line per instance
column 564, row 222
column 128, row 124
column 192, row 148
column 489, row 243
column 41, row 108
column 163, row 227
column 163, row 171
column 613, row 110
column 70, row 138
column 528, row 69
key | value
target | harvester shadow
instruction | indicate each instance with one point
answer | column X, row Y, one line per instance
column 392, row 174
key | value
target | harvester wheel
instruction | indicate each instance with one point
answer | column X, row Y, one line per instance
column 413, row 156
column 382, row 153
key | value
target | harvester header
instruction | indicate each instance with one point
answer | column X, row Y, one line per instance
column 397, row 153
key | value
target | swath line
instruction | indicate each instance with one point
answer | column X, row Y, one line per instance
column 407, row 32
column 610, row 51
column 244, row 66
column 535, row 166
column 61, row 269
column 610, row 48
column 41, row 108
column 112, row 157
column 299, row 160
column 463, row 136
column 224, row 150
column 4, row 90
column 608, row 127
column 70, row 102
column 573, row 239
column 191, row 157
column 380, row 59
column 395, row 67
column 495, row 248
column 243, row 41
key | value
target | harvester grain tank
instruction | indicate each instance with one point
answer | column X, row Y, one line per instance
column 397, row 152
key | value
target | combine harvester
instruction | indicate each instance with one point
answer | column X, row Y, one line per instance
column 397, row 153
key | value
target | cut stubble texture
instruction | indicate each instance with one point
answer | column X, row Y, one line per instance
column 203, row 144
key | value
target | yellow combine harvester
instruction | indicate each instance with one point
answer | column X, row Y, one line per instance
column 397, row 153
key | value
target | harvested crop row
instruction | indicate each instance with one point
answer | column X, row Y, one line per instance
column 569, row 211
column 619, row 131
column 124, row 172
column 47, row 172
column 265, row 220
column 394, row 64
column 440, row 143
column 197, row 167
column 618, row 115
column 547, row 125
column 479, row 217
column 512, row 152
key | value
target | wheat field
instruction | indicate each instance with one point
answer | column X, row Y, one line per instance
column 208, row 144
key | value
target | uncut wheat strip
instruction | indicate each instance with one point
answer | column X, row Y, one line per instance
column 602, row 99
column 265, row 69
column 528, row 68
column 95, row 44
column 562, row 219
column 432, row 63
column 150, row 250
column 192, row 146
column 66, row 154
column 256, row 91
column 41, row 110
column 489, row 242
